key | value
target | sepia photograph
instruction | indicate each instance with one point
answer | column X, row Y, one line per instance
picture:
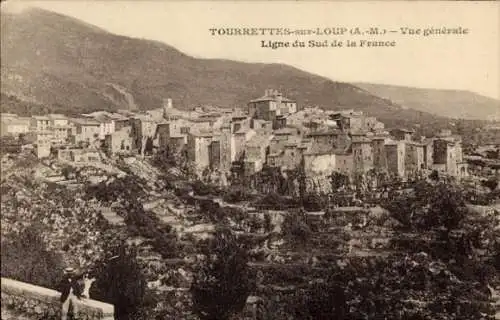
column 250, row 160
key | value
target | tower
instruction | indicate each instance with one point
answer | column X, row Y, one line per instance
column 167, row 105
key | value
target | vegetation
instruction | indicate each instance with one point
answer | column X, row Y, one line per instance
column 120, row 281
column 223, row 282
column 296, row 229
column 26, row 258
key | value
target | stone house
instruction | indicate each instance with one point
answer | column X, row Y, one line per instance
column 239, row 140
column 256, row 150
column 428, row 145
column 85, row 130
column 43, row 144
column 349, row 121
column 372, row 124
column 379, row 155
column 395, row 155
column 362, row 151
column 272, row 104
column 448, row 156
column 199, row 148
column 78, row 155
column 214, row 154
column 60, row 127
column 226, row 148
column 14, row 125
column 262, row 125
column 402, row 134
column 320, row 160
column 119, row 142
column 325, row 137
column 239, row 121
column 40, row 123
column 144, row 131
column 174, row 134
column 414, row 158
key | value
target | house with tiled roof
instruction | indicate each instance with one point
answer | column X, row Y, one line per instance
column 320, row 160
column 256, row 150
column 271, row 105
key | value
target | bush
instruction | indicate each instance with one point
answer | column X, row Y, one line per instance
column 223, row 283
column 25, row 258
column 313, row 202
column 275, row 201
column 237, row 194
column 121, row 282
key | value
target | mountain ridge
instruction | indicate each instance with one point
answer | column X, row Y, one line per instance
column 451, row 103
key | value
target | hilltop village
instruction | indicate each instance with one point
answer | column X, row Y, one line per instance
column 272, row 131
column 303, row 206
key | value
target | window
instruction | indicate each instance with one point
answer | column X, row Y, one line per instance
column 184, row 130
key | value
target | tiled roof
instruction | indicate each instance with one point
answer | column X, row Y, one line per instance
column 285, row 131
column 57, row 116
column 259, row 140
column 324, row 133
column 41, row 118
column 85, row 122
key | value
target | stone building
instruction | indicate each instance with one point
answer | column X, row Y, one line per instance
column 402, row 134
column 256, row 150
column 43, row 144
column 362, row 152
column 14, row 125
column 60, row 127
column 119, row 142
column 85, row 130
column 78, row 155
column 172, row 135
column 349, row 121
column 199, row 148
column 414, row 158
column 226, row 148
column 272, row 104
column 379, row 155
column 40, row 123
column 395, row 155
column 240, row 138
column 144, row 131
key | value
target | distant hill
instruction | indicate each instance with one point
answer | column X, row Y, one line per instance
column 57, row 63
column 447, row 103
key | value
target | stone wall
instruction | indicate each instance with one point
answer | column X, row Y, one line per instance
column 42, row 303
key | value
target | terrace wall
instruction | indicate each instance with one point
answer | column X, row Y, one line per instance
column 36, row 302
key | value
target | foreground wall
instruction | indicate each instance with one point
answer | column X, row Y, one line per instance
column 41, row 303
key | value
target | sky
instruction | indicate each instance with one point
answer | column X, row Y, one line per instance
column 466, row 62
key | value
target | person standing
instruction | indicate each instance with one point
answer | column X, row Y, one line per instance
column 70, row 292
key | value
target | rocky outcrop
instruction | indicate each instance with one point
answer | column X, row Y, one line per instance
column 36, row 302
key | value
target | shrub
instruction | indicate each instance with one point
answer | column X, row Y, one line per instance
column 223, row 283
column 25, row 258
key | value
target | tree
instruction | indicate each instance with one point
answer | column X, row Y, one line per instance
column 322, row 301
column 25, row 258
column 296, row 229
column 338, row 180
column 223, row 282
column 120, row 281
column 491, row 183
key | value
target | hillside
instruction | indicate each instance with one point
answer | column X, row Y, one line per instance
column 446, row 103
column 69, row 66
